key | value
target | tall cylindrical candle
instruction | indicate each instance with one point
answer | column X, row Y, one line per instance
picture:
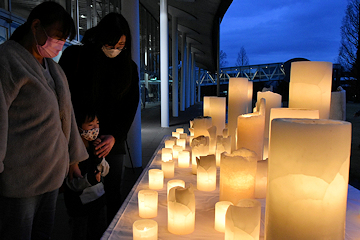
column 237, row 175
column 243, row 220
column 156, row 179
column 307, row 179
column 148, row 203
column 218, row 113
column 250, row 97
column 237, row 104
column 310, row 86
column 250, row 133
column 220, row 211
column 145, row 229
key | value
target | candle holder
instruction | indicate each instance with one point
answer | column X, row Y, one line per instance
column 243, row 220
column 145, row 229
column 223, row 144
column 220, row 212
column 148, row 203
column 181, row 210
column 307, row 179
column 156, row 179
column 201, row 126
column 174, row 183
column 237, row 175
column 206, row 173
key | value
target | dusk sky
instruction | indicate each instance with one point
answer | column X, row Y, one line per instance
column 276, row 31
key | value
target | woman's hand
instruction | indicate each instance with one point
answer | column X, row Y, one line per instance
column 74, row 171
column 105, row 146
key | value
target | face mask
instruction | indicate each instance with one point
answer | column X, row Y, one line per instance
column 111, row 53
column 51, row 48
column 90, row 134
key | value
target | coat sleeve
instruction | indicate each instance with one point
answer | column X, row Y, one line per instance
column 3, row 127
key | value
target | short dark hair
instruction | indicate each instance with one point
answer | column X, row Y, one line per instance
column 84, row 113
column 48, row 13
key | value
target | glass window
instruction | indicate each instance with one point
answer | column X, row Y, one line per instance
column 3, row 34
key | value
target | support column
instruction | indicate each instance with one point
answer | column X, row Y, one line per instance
column 130, row 10
column 183, row 72
column 164, row 63
column 198, row 85
column 192, row 79
column 188, row 75
column 174, row 62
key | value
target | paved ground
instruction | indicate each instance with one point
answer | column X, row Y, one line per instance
column 152, row 134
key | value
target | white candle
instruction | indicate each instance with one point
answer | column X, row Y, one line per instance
column 338, row 104
column 261, row 179
column 181, row 210
column 184, row 159
column 250, row 97
column 156, row 179
column 166, row 156
column 206, row 173
column 199, row 147
column 206, row 105
column 310, row 86
column 201, row 126
column 176, row 150
column 237, row 104
column 175, row 134
column 181, row 142
column 179, row 130
column 170, row 142
column 145, row 229
column 174, row 183
column 148, row 203
column 250, row 133
column 218, row 113
column 307, row 179
column 223, row 144
column 243, row 220
column 220, row 211
column 168, row 168
column 237, row 175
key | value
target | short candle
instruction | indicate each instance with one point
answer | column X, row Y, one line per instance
column 184, row 159
column 176, row 150
column 180, row 130
column 181, row 142
column 168, row 168
column 145, row 229
column 175, row 183
column 220, row 211
column 156, row 179
column 148, row 203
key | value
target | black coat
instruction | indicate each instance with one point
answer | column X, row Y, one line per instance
column 110, row 85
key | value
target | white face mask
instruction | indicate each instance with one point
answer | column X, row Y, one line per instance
column 111, row 53
column 89, row 135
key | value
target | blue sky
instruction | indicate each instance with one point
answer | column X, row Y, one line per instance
column 277, row 30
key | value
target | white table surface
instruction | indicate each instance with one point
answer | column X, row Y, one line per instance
column 121, row 226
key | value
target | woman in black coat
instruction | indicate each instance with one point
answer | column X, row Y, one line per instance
column 102, row 74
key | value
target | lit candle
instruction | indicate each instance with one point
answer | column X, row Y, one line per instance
column 165, row 156
column 261, row 179
column 191, row 131
column 199, row 147
column 237, row 104
column 250, row 97
column 156, row 179
column 174, row 183
column 179, row 130
column 175, row 134
column 181, row 142
column 243, row 220
column 223, row 144
column 250, row 133
column 181, row 210
column 237, row 175
column 184, row 159
column 310, row 86
column 206, row 173
column 176, row 150
column 168, row 168
column 212, row 139
column 307, row 179
column 206, row 105
column 145, row 229
column 148, row 203
column 218, row 113
column 220, row 211
column 338, row 104
column 183, row 136
column 170, row 142
column 201, row 126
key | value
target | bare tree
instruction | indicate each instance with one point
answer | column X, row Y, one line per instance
column 349, row 46
column 242, row 59
column 222, row 59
